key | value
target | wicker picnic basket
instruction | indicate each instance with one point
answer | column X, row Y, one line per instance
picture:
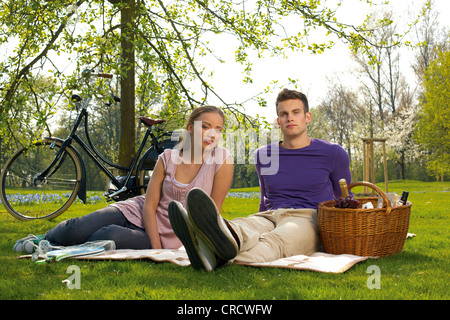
column 364, row 232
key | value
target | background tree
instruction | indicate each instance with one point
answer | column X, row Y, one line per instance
column 380, row 75
column 402, row 148
column 127, row 130
column 33, row 105
column 340, row 113
column 433, row 128
column 431, row 38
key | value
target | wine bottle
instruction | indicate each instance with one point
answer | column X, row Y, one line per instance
column 344, row 189
column 346, row 200
column 404, row 198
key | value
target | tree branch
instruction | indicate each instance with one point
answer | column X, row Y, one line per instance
column 24, row 71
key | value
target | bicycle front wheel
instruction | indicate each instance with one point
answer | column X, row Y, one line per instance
column 28, row 198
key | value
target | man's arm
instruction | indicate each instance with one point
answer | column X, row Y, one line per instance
column 341, row 170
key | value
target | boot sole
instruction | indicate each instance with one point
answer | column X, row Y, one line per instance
column 208, row 223
column 187, row 237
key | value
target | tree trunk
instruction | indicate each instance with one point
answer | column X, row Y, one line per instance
column 127, row 147
column 403, row 165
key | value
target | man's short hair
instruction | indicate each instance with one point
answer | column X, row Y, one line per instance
column 287, row 94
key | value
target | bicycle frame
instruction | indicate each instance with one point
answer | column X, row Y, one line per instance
column 93, row 154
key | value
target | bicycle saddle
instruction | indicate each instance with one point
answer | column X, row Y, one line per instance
column 76, row 98
column 150, row 122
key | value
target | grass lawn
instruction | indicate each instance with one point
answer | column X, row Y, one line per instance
column 420, row 272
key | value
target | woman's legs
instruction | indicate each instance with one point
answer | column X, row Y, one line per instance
column 125, row 237
column 105, row 224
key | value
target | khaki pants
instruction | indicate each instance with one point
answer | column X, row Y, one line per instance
column 276, row 234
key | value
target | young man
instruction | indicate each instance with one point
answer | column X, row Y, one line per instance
column 295, row 175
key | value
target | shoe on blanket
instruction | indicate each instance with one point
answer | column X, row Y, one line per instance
column 28, row 244
column 210, row 225
column 200, row 255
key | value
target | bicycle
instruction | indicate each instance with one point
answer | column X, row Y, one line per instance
column 51, row 172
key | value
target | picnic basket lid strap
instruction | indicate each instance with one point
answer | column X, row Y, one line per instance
column 374, row 187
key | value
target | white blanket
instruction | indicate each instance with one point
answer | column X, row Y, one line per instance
column 319, row 261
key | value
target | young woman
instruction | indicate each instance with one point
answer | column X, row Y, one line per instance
column 142, row 222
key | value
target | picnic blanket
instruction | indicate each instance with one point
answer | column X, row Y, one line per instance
column 319, row 261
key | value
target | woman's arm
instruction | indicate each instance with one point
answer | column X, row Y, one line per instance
column 262, row 188
column 151, row 203
column 222, row 182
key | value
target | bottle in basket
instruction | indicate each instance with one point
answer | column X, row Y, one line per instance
column 344, row 188
column 346, row 200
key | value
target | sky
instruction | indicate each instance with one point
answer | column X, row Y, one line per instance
column 311, row 70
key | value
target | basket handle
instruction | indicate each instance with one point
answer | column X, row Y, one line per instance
column 374, row 187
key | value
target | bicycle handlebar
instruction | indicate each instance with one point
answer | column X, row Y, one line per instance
column 88, row 73
column 105, row 75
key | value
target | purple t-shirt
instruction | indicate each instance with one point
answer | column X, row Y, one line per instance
column 300, row 178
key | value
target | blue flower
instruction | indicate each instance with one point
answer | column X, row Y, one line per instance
column 56, row 198
column 243, row 195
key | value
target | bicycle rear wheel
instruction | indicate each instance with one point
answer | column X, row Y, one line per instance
column 28, row 199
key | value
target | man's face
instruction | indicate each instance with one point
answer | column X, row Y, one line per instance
column 292, row 118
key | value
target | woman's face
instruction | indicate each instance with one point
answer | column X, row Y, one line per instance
column 206, row 130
